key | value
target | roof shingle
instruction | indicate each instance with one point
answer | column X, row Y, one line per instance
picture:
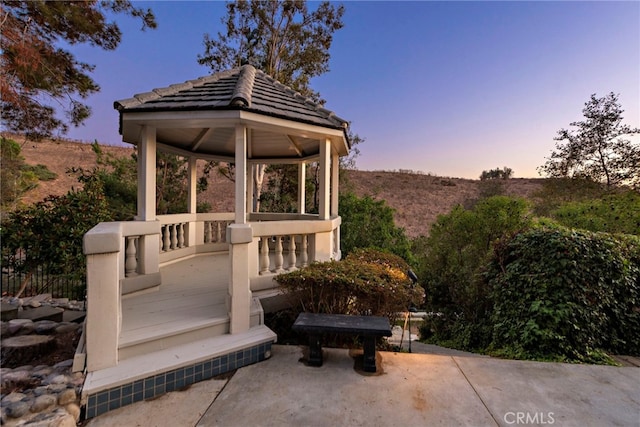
column 243, row 88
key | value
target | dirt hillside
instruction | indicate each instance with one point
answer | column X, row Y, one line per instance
column 417, row 199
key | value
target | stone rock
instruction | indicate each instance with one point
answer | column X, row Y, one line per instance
column 45, row 326
column 64, row 364
column 34, row 304
column 40, row 298
column 42, row 372
column 26, row 329
column 3, row 416
column 66, row 327
column 17, row 409
column 4, row 329
column 13, row 397
column 67, row 396
column 57, row 388
column 44, row 402
column 56, row 379
column 39, row 391
column 60, row 301
column 73, row 410
column 20, row 322
column 16, row 376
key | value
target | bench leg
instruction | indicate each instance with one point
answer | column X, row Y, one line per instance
column 315, row 350
column 369, row 364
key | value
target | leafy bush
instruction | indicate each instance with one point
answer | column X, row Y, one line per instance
column 15, row 176
column 556, row 192
column 564, row 295
column 497, row 173
column 367, row 282
column 613, row 213
column 42, row 172
column 368, row 223
column 49, row 233
column 452, row 258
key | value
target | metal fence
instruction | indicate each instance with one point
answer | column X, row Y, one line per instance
column 41, row 281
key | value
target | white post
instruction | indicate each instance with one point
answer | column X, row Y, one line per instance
column 325, row 163
column 302, row 188
column 335, row 182
column 239, row 236
column 192, row 201
column 241, row 174
column 192, row 191
column 250, row 189
column 147, row 175
column 104, row 317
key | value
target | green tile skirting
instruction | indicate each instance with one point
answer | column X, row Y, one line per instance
column 122, row 395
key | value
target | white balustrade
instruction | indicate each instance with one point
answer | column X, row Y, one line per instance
column 215, row 231
column 131, row 258
column 292, row 253
column 293, row 249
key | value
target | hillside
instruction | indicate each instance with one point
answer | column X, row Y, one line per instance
column 417, row 199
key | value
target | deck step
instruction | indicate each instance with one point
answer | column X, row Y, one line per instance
column 162, row 336
column 157, row 362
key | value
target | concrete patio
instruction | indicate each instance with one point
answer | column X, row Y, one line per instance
column 412, row 389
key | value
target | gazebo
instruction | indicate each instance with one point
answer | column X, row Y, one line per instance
column 175, row 299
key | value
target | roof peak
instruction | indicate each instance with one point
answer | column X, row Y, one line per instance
column 234, row 89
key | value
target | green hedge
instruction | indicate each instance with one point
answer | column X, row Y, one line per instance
column 366, row 282
column 561, row 294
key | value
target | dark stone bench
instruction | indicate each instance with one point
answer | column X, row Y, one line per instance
column 367, row 327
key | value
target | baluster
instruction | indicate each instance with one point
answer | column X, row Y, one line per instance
column 264, row 255
column 304, row 255
column 207, row 232
column 218, row 231
column 174, row 237
column 292, row 253
column 181, row 235
column 166, row 242
column 279, row 257
column 130, row 263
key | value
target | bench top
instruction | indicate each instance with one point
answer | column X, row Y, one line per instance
column 342, row 323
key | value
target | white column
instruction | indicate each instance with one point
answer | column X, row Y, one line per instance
column 192, row 199
column 250, row 190
column 302, row 188
column 335, row 180
column 147, row 175
column 325, row 163
column 241, row 174
column 239, row 236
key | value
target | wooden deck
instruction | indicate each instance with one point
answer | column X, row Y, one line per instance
column 182, row 323
column 192, row 296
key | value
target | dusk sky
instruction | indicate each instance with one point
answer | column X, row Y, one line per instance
column 448, row 88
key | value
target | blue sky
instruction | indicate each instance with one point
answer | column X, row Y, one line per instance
column 450, row 88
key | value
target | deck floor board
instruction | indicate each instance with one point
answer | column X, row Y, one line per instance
column 193, row 292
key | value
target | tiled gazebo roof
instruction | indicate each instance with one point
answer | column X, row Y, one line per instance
column 243, row 88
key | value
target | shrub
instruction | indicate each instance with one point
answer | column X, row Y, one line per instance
column 452, row 258
column 612, row 213
column 367, row 282
column 565, row 295
column 497, row 173
column 368, row 223
column 50, row 233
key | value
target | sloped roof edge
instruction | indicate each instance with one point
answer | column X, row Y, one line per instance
column 241, row 97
